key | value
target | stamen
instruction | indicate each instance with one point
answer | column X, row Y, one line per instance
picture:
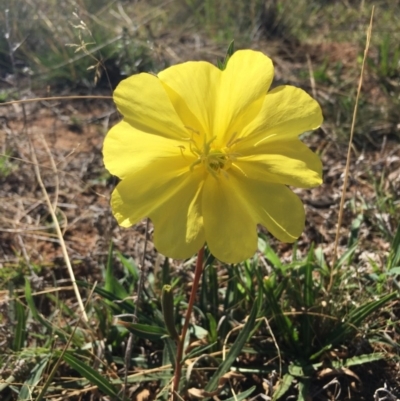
column 182, row 149
column 195, row 131
column 215, row 161
column 194, row 164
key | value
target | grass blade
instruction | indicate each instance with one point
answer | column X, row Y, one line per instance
column 111, row 284
column 284, row 387
column 308, row 300
column 242, row 396
column 357, row 316
column 236, row 347
column 361, row 359
column 121, row 306
column 303, row 390
column 92, row 375
column 37, row 316
column 129, row 266
column 20, row 328
column 272, row 257
column 284, row 324
column 394, row 256
column 169, row 352
column 144, row 330
column 32, row 381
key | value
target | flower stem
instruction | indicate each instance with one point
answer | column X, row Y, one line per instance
column 179, row 352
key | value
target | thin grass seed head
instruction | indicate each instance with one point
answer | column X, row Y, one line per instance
column 209, row 154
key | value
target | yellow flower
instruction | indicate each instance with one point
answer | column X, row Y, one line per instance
column 208, row 154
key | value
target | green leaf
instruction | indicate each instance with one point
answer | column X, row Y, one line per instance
column 169, row 353
column 354, row 361
column 283, row 387
column 304, row 390
column 30, row 302
column 165, row 272
column 209, row 297
column 394, row 255
column 5, row 383
column 236, row 347
column 32, row 381
column 231, row 49
column 60, row 306
column 199, row 351
column 306, row 326
column 108, row 285
column 321, row 262
column 38, row 317
column 320, row 352
column 199, row 332
column 346, row 257
column 355, row 228
column 296, row 370
column 213, row 327
column 394, row 270
column 111, row 284
column 147, row 376
column 308, row 288
column 20, row 328
column 121, row 306
column 129, row 265
column 168, row 358
column 357, row 316
column 272, row 257
column 144, row 330
column 167, row 304
column 284, row 324
column 92, row 375
column 361, row 359
column 242, row 396
column 231, row 293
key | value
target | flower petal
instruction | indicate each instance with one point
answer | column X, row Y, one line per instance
column 244, row 84
column 128, row 150
column 168, row 193
column 193, row 87
column 230, row 228
column 219, row 103
column 233, row 206
column 275, row 207
column 143, row 102
column 145, row 190
column 286, row 162
column 286, row 113
column 178, row 223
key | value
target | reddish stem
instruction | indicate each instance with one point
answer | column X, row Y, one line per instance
column 179, row 352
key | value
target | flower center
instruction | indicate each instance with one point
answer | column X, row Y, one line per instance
column 214, row 160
